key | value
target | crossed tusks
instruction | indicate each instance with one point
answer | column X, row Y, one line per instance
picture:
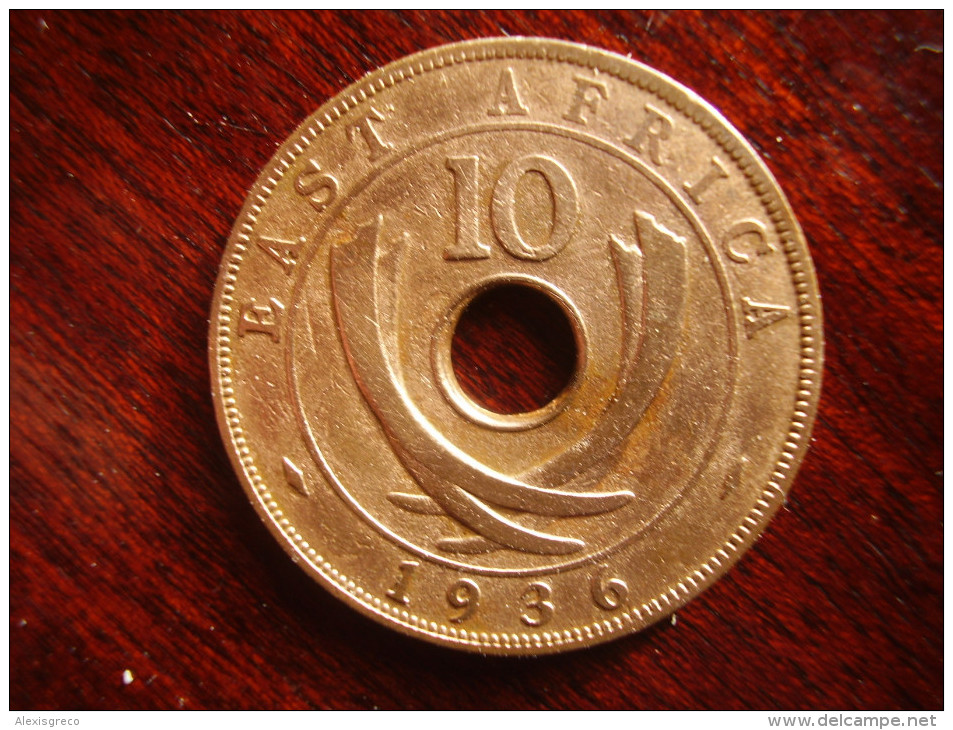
column 651, row 279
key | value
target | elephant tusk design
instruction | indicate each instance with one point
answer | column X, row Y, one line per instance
column 364, row 277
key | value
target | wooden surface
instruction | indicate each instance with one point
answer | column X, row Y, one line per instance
column 133, row 141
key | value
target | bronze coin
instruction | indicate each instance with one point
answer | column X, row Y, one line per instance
column 688, row 291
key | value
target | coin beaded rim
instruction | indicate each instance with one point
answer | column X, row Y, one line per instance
column 770, row 196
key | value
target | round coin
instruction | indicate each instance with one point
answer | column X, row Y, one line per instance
column 688, row 293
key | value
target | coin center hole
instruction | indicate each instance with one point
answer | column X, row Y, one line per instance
column 513, row 350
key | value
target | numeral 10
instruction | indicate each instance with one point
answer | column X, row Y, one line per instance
column 466, row 176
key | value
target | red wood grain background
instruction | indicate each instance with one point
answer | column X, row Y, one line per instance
column 134, row 138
